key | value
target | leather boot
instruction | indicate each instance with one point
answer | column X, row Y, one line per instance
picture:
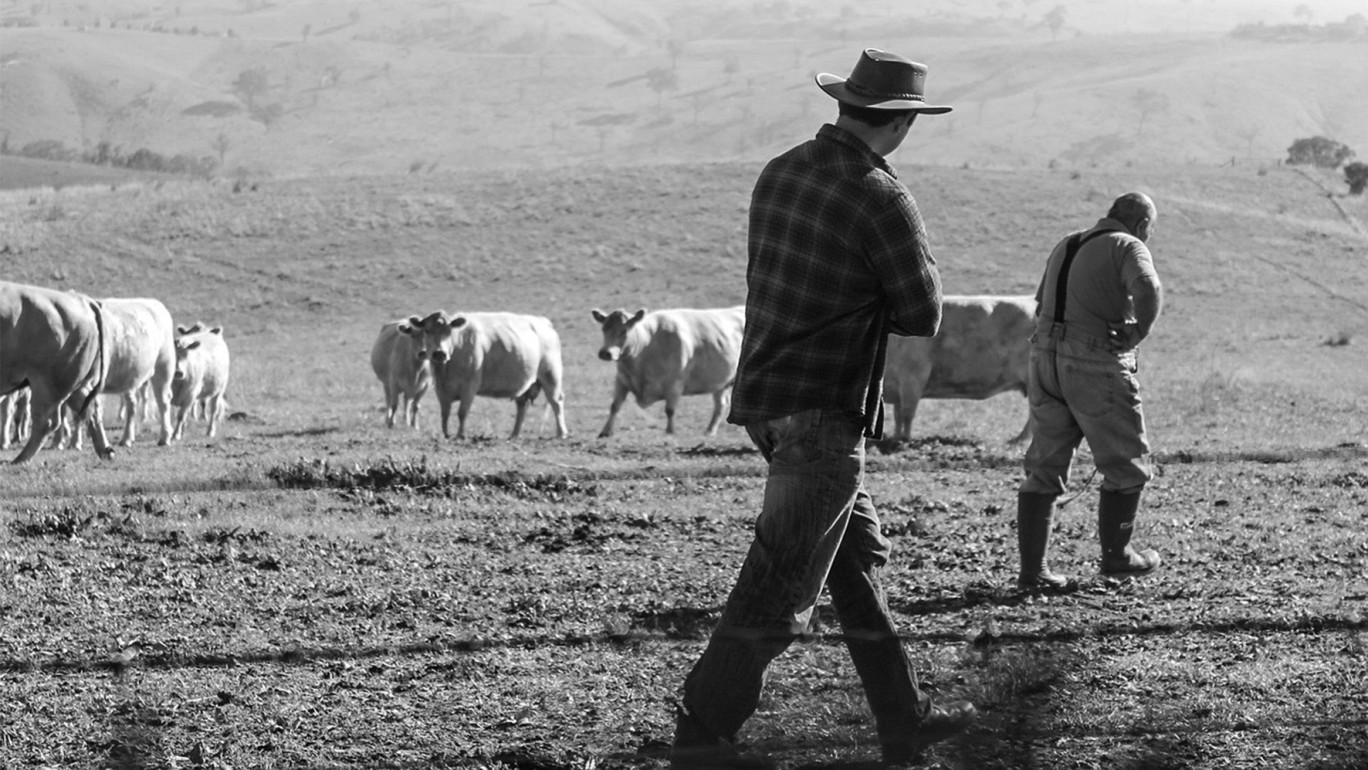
column 1115, row 523
column 1035, row 522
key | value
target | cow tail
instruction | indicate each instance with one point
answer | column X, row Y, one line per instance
column 99, row 359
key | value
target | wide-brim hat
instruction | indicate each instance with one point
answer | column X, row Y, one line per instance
column 882, row 81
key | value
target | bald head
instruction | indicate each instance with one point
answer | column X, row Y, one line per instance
column 1136, row 211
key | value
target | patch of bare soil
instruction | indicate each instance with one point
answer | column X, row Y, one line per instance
column 406, row 617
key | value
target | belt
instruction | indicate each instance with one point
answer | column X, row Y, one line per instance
column 1058, row 331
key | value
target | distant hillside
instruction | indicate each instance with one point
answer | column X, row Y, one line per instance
column 312, row 87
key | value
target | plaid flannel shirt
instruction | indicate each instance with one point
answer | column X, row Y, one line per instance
column 838, row 259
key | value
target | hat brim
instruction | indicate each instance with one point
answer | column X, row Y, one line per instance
column 835, row 87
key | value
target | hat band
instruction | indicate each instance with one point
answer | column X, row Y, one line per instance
column 860, row 90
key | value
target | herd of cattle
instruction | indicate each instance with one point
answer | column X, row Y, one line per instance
column 60, row 350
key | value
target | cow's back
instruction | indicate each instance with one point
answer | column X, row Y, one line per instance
column 140, row 339
column 506, row 350
column 701, row 347
column 712, row 340
column 46, row 333
column 983, row 347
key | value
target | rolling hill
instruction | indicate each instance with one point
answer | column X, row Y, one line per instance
column 301, row 88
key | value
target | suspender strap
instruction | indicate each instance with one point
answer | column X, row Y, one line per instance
column 1062, row 283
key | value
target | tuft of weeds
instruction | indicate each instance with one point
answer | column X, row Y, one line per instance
column 68, row 522
column 416, row 476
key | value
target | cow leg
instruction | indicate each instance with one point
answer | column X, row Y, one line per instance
column 128, row 409
column 1026, row 431
column 94, row 420
column 672, row 397
column 44, row 417
column 7, row 410
column 549, row 383
column 214, row 413
column 720, row 401
column 521, row 403
column 902, row 421
column 464, row 409
column 160, row 392
column 411, row 409
column 619, row 396
column 444, row 406
column 391, row 403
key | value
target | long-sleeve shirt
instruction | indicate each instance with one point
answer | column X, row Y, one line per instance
column 838, row 259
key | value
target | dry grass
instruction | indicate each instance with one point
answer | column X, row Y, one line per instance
column 313, row 590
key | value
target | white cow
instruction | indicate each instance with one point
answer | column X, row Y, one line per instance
column 14, row 418
column 141, row 353
column 667, row 354
column 499, row 355
column 52, row 341
column 396, row 362
column 202, row 368
column 983, row 349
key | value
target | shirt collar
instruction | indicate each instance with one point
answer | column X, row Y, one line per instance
column 835, row 133
column 1107, row 223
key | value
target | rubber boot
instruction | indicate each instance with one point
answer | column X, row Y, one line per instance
column 1035, row 522
column 1115, row 523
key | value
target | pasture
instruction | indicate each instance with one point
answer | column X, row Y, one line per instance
column 312, row 590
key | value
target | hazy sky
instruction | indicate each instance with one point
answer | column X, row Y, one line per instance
column 1099, row 16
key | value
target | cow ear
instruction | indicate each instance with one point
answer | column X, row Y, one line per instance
column 458, row 322
column 217, row 330
column 191, row 345
column 640, row 314
column 414, row 322
column 598, row 315
column 404, row 328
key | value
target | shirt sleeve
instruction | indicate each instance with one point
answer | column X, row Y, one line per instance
column 901, row 258
column 1137, row 265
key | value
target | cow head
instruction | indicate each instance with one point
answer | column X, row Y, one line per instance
column 615, row 325
column 434, row 335
column 189, row 340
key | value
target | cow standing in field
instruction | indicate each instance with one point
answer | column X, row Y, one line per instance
column 396, row 362
column 498, row 355
column 140, row 349
column 202, row 368
column 667, row 354
column 983, row 349
column 53, row 342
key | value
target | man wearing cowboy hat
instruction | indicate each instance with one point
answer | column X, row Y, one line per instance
column 838, row 259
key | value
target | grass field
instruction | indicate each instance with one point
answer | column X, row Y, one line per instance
column 312, row 590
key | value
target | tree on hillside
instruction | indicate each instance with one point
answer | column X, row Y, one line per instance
column 661, row 80
column 1318, row 151
column 1055, row 20
column 1356, row 174
column 249, row 85
column 730, row 66
column 1149, row 102
column 221, row 145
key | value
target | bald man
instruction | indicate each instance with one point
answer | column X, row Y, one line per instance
column 1096, row 303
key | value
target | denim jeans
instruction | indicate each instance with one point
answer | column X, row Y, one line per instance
column 1079, row 390
column 817, row 527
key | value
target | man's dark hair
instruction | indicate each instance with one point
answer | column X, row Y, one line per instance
column 870, row 116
